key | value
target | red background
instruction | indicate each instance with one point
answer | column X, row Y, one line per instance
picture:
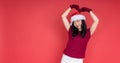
column 32, row 31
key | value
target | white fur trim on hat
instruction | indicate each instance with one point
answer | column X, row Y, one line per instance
column 77, row 17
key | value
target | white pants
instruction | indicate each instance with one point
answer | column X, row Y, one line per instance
column 68, row 59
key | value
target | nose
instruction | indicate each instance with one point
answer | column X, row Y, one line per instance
column 77, row 24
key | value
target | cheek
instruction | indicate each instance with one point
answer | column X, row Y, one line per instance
column 80, row 23
column 75, row 24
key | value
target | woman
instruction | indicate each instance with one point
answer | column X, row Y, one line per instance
column 79, row 35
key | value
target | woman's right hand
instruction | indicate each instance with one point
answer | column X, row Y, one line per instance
column 75, row 6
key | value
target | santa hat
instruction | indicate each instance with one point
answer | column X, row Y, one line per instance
column 76, row 16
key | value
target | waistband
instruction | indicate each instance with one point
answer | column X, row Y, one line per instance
column 66, row 56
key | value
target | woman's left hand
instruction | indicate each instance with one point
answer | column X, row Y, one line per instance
column 85, row 9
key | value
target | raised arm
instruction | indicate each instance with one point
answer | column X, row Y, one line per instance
column 95, row 22
column 94, row 17
column 65, row 20
column 65, row 14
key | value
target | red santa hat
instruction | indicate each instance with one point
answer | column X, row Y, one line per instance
column 76, row 16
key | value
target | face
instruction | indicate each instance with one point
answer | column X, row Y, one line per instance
column 77, row 24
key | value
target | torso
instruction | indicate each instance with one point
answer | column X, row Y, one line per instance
column 76, row 47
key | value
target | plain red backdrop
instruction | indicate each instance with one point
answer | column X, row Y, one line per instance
column 32, row 31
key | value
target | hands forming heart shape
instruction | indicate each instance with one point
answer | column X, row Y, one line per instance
column 83, row 9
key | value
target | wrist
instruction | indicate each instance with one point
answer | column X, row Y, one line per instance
column 89, row 10
column 70, row 8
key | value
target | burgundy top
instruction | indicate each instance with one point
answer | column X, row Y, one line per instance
column 76, row 47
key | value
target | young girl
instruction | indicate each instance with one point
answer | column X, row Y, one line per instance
column 79, row 35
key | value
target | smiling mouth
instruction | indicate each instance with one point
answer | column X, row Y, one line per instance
column 77, row 26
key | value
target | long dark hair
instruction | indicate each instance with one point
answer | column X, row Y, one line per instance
column 75, row 30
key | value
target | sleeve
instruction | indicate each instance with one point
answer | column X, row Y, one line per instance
column 69, row 29
column 89, row 33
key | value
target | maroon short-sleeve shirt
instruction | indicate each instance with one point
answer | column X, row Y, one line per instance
column 76, row 47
